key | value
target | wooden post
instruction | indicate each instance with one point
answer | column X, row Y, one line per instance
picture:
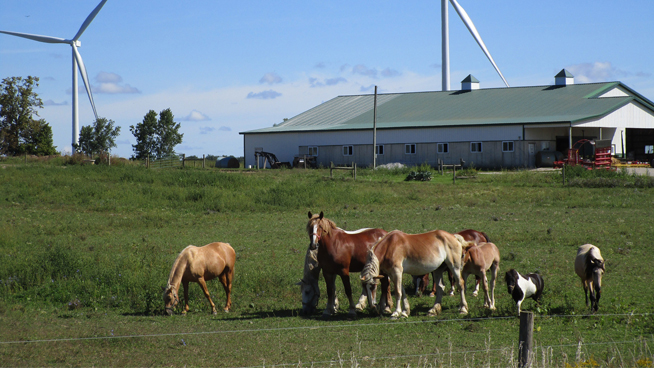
column 374, row 132
column 453, row 174
column 526, row 339
column 147, row 162
column 331, row 168
column 203, row 161
column 354, row 172
column 563, row 172
column 183, row 159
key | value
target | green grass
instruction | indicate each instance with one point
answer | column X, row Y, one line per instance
column 85, row 250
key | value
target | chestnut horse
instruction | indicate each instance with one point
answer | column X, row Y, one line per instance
column 477, row 260
column 200, row 264
column 415, row 254
column 471, row 236
column 589, row 266
column 339, row 252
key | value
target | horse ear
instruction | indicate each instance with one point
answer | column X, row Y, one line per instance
column 310, row 214
column 321, row 215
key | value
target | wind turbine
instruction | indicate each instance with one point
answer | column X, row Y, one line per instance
column 77, row 62
column 446, row 41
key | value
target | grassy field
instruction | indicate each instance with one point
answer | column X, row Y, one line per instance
column 85, row 250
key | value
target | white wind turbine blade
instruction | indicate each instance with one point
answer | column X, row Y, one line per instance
column 85, row 77
column 88, row 20
column 39, row 38
column 471, row 27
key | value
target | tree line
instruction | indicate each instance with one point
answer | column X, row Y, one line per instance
column 22, row 132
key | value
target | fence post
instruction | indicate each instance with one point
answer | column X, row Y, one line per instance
column 147, row 162
column 354, row 170
column 563, row 171
column 331, row 168
column 526, row 339
column 203, row 161
column 453, row 174
column 183, row 160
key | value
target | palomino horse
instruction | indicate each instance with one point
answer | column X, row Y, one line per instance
column 522, row 287
column 477, row 260
column 589, row 266
column 200, row 264
column 471, row 236
column 415, row 254
column 339, row 252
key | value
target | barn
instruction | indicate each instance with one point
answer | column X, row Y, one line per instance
column 487, row 128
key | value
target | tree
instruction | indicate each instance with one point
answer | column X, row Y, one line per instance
column 20, row 133
column 97, row 138
column 156, row 138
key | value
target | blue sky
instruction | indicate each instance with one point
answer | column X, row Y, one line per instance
column 224, row 67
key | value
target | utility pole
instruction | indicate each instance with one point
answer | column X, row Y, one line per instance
column 374, row 132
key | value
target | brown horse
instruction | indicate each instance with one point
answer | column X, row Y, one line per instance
column 200, row 264
column 477, row 260
column 415, row 254
column 589, row 266
column 471, row 236
column 339, row 252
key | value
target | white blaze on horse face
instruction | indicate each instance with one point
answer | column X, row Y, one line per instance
column 314, row 236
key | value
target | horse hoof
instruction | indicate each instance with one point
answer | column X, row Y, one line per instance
column 431, row 295
column 404, row 315
column 463, row 311
column 475, row 294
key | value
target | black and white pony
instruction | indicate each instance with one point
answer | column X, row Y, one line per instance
column 522, row 287
column 589, row 266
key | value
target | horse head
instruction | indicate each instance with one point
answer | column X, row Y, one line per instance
column 310, row 296
column 170, row 299
column 511, row 278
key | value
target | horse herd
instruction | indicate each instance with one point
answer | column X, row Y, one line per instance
column 382, row 258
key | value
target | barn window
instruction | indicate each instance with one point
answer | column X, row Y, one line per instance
column 347, row 150
column 649, row 149
column 313, row 150
column 410, row 149
column 507, row 146
column 443, row 147
column 475, row 147
column 379, row 149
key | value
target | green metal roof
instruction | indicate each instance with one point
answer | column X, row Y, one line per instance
column 493, row 106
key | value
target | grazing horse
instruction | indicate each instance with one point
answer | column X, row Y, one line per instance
column 589, row 265
column 471, row 236
column 522, row 287
column 477, row 260
column 339, row 252
column 200, row 264
column 415, row 254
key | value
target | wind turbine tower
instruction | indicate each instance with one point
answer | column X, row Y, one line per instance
column 77, row 63
column 445, row 52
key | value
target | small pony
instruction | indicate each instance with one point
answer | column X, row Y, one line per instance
column 589, row 265
column 200, row 264
column 478, row 259
column 522, row 287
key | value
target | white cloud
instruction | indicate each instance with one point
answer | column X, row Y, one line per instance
column 320, row 65
column 225, row 129
column 315, row 82
column 206, row 130
column 52, row 103
column 265, row 95
column 113, row 88
column 195, row 115
column 271, row 78
column 364, row 70
column 388, row 72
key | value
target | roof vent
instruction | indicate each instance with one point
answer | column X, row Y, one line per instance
column 564, row 78
column 469, row 83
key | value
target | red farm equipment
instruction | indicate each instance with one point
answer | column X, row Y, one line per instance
column 601, row 157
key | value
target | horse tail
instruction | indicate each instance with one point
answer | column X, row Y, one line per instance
column 464, row 243
column 371, row 268
column 486, row 236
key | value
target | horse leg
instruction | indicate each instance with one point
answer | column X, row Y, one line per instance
column 452, row 284
column 345, row 278
column 592, row 297
column 386, row 299
column 185, row 285
column 203, row 285
column 585, row 285
column 437, row 275
column 493, row 277
column 330, row 282
column 363, row 299
column 484, row 282
column 396, row 277
column 226, row 280
column 476, row 291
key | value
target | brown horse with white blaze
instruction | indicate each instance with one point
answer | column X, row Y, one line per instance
column 589, row 266
column 416, row 254
column 200, row 264
column 339, row 252
column 478, row 259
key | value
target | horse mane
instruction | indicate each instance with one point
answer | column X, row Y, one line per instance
column 511, row 276
column 486, row 236
column 311, row 261
column 464, row 243
column 371, row 268
column 592, row 263
column 325, row 224
column 175, row 266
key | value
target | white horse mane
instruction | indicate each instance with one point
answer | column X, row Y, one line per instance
column 371, row 268
column 354, row 231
